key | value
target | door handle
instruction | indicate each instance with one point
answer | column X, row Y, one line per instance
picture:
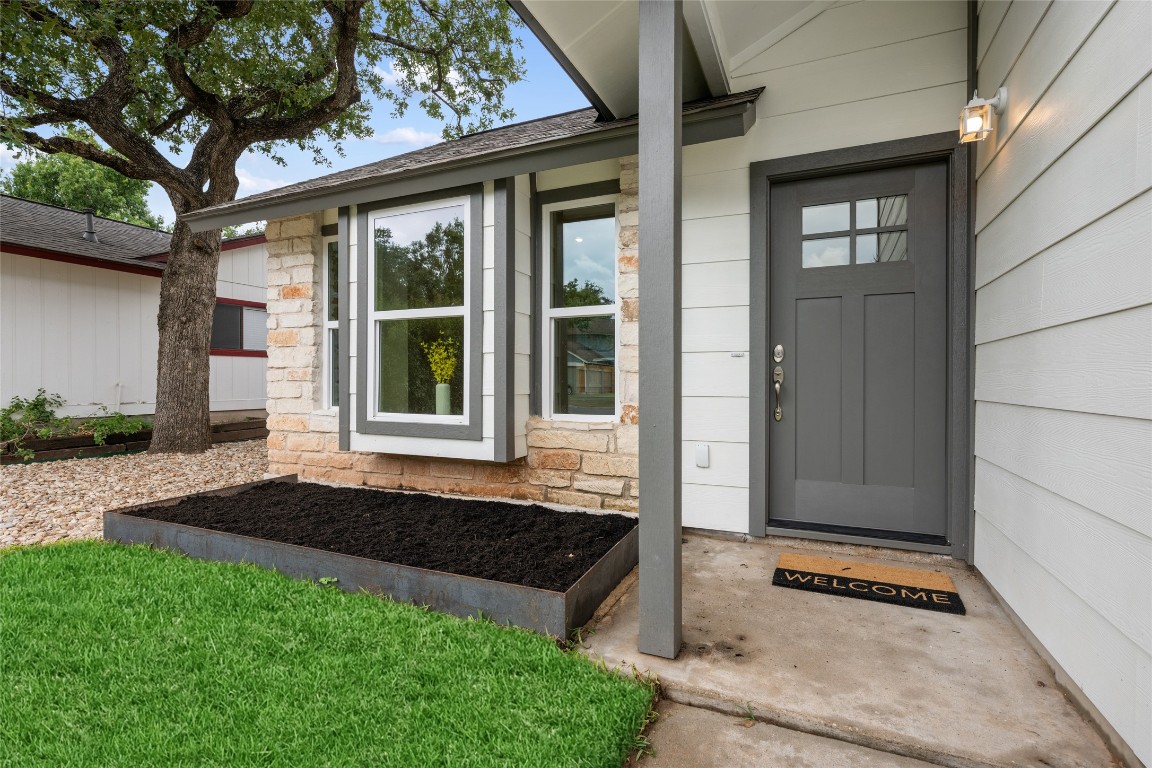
column 777, row 384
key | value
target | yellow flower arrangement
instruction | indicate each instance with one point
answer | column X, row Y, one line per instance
column 442, row 355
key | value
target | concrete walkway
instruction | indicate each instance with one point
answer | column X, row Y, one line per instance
column 962, row 691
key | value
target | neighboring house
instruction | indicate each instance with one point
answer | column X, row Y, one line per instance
column 878, row 334
column 78, row 303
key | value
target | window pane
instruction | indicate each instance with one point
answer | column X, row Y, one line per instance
column 333, row 281
column 826, row 252
column 420, row 259
column 865, row 214
column 255, row 329
column 865, row 249
column 226, row 322
column 835, row 217
column 584, row 378
column 893, row 211
column 893, row 246
column 416, row 356
column 584, row 263
column 334, row 367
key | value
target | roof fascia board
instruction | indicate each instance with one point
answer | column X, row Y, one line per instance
column 565, row 63
column 712, row 125
column 84, row 261
column 699, row 27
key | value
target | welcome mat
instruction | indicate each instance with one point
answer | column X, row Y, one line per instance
column 929, row 590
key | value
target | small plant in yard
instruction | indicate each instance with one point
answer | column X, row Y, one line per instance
column 106, row 423
column 442, row 353
column 30, row 419
column 35, row 419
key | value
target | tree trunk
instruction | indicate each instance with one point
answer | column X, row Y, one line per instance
column 187, row 299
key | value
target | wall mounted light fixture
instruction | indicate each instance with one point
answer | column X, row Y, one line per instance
column 976, row 117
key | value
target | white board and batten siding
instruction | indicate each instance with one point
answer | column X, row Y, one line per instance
column 1063, row 279
column 89, row 335
column 855, row 74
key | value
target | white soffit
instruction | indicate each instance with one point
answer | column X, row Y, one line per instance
column 601, row 41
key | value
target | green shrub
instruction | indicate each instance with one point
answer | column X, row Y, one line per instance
column 35, row 419
column 24, row 420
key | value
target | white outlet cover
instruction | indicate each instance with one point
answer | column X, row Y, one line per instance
column 702, row 455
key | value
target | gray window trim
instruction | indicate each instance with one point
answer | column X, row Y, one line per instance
column 504, row 317
column 960, row 298
column 343, row 272
column 541, row 199
column 473, row 430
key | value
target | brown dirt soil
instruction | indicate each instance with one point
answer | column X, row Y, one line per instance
column 513, row 543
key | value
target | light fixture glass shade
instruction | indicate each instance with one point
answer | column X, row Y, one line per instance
column 975, row 121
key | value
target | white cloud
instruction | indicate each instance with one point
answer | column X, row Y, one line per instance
column 389, row 75
column 250, row 183
column 406, row 135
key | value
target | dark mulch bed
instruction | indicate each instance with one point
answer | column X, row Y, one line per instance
column 513, row 543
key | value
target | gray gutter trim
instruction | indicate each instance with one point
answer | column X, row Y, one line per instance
column 473, row 430
column 565, row 63
column 344, row 331
column 504, row 318
column 699, row 127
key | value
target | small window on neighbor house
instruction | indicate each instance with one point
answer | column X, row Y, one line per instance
column 580, row 314
column 332, row 321
column 237, row 328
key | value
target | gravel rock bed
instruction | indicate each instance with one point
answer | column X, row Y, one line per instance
column 58, row 500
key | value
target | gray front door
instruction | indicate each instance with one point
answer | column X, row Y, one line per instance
column 859, row 320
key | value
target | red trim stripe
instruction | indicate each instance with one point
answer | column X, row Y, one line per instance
column 84, row 261
column 242, row 303
column 238, row 352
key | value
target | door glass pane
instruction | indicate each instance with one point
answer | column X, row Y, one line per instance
column 893, row 211
column 415, row 356
column 333, row 297
column 893, row 246
column 865, row 249
column 584, row 371
column 835, row 217
column 865, row 214
column 420, row 259
column 584, row 257
column 826, row 252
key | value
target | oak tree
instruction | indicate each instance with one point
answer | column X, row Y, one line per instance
column 177, row 92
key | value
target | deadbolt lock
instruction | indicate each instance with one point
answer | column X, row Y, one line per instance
column 778, row 353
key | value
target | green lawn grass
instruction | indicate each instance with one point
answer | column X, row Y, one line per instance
column 114, row 655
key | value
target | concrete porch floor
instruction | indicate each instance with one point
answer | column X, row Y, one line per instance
column 949, row 690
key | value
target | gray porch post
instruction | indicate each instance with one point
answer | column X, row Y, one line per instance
column 661, row 22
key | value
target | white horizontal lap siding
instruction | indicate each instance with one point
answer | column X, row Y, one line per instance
column 1063, row 328
column 78, row 331
column 243, row 273
column 855, row 74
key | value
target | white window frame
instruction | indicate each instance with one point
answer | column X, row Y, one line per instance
column 374, row 316
column 548, row 313
column 328, row 325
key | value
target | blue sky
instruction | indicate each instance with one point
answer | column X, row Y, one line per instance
column 546, row 90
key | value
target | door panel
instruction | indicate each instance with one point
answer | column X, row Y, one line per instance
column 858, row 267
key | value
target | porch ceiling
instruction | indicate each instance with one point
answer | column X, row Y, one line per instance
column 598, row 42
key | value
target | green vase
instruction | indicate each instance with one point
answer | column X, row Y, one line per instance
column 443, row 399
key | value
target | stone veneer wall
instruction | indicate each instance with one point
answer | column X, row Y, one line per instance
column 568, row 462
